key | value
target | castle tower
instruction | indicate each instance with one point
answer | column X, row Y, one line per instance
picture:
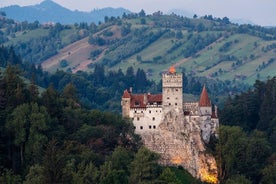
column 172, row 92
column 125, row 103
column 204, row 104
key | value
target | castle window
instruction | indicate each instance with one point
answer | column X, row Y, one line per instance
column 149, row 111
column 168, row 98
column 175, row 104
column 138, row 118
column 134, row 127
column 154, row 127
column 176, row 89
column 153, row 119
column 169, row 103
column 149, row 126
column 135, row 111
column 141, row 111
column 141, row 127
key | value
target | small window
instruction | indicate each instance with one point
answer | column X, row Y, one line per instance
column 149, row 111
column 175, row 104
column 138, row 118
column 135, row 111
column 176, row 89
column 149, row 126
column 154, row 127
column 169, row 103
column 141, row 127
column 153, row 118
column 168, row 98
column 134, row 127
column 141, row 111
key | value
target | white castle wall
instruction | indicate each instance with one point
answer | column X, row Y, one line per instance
column 146, row 119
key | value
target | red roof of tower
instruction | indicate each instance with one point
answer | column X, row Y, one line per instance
column 126, row 94
column 172, row 70
column 204, row 100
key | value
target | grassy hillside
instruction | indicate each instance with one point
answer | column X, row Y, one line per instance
column 206, row 46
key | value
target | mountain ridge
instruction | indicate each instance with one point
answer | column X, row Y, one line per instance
column 49, row 11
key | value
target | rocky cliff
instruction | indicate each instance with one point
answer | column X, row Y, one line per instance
column 179, row 142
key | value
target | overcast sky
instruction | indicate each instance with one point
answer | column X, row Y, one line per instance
column 261, row 12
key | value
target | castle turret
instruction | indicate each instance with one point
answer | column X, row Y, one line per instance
column 205, row 105
column 125, row 104
column 172, row 92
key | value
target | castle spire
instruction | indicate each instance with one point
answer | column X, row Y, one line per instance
column 204, row 100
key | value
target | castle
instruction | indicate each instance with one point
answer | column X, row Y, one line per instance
column 178, row 131
column 148, row 110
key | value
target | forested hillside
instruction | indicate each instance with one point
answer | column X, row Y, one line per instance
column 202, row 46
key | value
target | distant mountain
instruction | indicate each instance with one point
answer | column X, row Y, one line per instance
column 49, row 11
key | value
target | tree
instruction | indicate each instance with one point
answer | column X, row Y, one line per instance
column 35, row 175
column 144, row 167
column 28, row 124
column 168, row 177
column 70, row 95
column 230, row 147
column 239, row 153
column 51, row 100
column 140, row 80
column 142, row 13
column 268, row 173
column 7, row 176
column 14, row 86
column 53, row 163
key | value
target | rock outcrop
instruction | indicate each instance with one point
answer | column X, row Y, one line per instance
column 179, row 141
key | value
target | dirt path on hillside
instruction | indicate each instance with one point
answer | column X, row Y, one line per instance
column 78, row 50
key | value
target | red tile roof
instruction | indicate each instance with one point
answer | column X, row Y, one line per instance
column 155, row 98
column 126, row 94
column 141, row 100
column 204, row 100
